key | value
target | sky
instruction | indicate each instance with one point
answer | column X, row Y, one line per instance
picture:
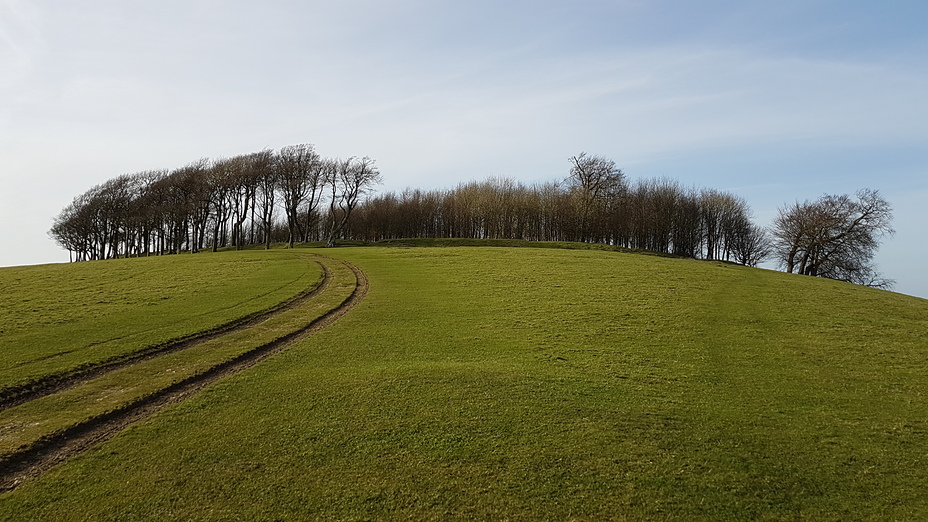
column 776, row 102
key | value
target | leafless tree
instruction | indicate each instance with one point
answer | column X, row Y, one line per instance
column 835, row 236
column 300, row 182
column 266, row 195
column 71, row 229
column 348, row 180
column 749, row 244
column 593, row 181
column 244, row 189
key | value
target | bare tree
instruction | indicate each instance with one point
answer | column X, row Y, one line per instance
column 244, row 188
column 348, row 180
column 594, row 181
column 834, row 237
column 186, row 189
column 300, row 181
column 220, row 198
column 749, row 244
column 71, row 229
column 266, row 196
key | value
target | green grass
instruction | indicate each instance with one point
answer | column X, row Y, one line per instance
column 25, row 424
column 59, row 317
column 521, row 383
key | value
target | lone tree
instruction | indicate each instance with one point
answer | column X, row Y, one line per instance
column 834, row 237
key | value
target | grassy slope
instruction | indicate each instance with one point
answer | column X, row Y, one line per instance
column 23, row 425
column 528, row 383
column 56, row 317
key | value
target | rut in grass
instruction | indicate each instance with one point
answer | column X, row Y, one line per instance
column 22, row 393
column 32, row 461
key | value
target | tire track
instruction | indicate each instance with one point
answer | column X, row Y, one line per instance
column 19, row 394
column 66, row 444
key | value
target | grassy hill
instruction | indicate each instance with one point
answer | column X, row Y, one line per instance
column 527, row 383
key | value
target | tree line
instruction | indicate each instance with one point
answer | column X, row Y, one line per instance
column 295, row 195
column 595, row 204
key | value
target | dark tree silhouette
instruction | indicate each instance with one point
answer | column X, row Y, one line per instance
column 278, row 196
column 348, row 180
column 300, row 182
column 835, row 236
column 594, row 181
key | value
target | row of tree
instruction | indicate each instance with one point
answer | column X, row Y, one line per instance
column 256, row 198
column 295, row 195
column 655, row 215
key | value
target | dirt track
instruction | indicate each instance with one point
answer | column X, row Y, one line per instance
column 61, row 446
column 14, row 396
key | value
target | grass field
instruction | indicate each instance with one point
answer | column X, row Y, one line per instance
column 58, row 317
column 33, row 421
column 524, row 383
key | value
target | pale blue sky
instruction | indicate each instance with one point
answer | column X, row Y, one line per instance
column 774, row 101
